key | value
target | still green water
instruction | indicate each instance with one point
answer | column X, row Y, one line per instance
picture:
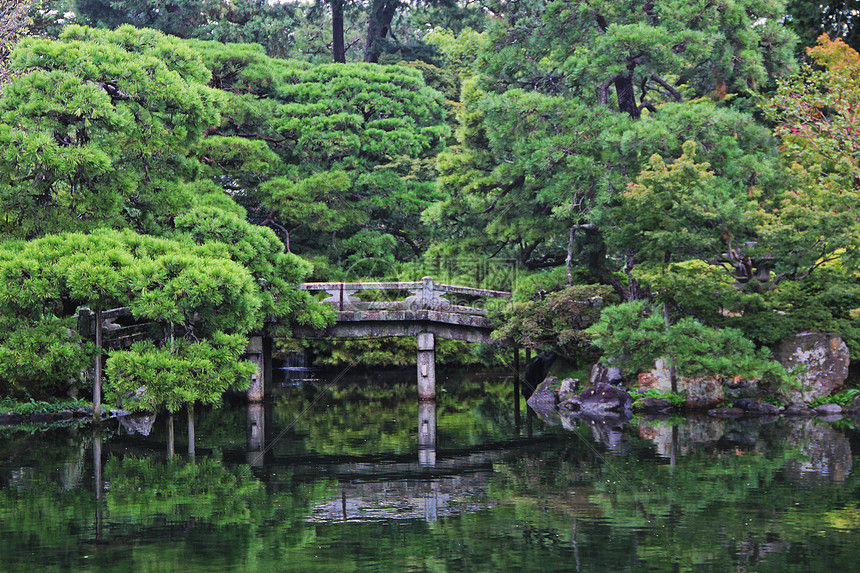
column 358, row 476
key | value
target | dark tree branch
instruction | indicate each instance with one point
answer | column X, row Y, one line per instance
column 604, row 88
column 668, row 87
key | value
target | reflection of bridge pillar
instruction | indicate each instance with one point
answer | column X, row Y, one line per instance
column 431, row 503
column 427, row 432
column 259, row 351
column 426, row 366
column 256, row 435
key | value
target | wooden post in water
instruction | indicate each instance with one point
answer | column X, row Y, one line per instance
column 256, row 435
column 191, row 431
column 97, row 382
column 268, row 376
column 517, row 389
column 98, row 480
column 254, row 353
column 426, row 366
column 170, row 436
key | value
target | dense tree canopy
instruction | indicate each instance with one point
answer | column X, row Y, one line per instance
column 646, row 53
column 255, row 21
column 669, row 151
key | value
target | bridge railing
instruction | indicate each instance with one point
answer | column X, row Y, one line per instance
column 426, row 295
column 114, row 335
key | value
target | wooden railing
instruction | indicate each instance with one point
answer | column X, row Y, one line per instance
column 113, row 335
column 425, row 295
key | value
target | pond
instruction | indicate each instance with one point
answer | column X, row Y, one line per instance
column 354, row 474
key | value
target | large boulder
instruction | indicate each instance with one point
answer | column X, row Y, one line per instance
column 599, row 401
column 825, row 359
column 567, row 389
column 701, row 393
column 543, row 399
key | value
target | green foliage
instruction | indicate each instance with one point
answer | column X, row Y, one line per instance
column 355, row 145
column 527, row 168
column 679, row 212
column 667, row 50
column 100, row 130
column 42, row 357
column 817, row 119
column 259, row 251
column 191, row 291
column 41, row 406
column 179, row 373
column 384, row 352
column 556, row 321
column 533, row 286
column 677, row 399
column 697, row 350
column 633, row 335
column 236, row 21
column 843, row 398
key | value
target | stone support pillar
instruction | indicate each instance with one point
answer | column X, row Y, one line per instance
column 426, row 366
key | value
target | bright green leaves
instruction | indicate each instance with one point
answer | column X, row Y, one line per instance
column 193, row 292
column 556, row 322
column 353, row 140
column 201, row 296
column 117, row 128
column 319, row 201
column 103, row 121
column 197, row 287
column 817, row 119
column 527, row 168
column 633, row 335
column 635, row 56
column 356, row 112
column 679, row 212
column 178, row 374
column 260, row 251
column 44, row 357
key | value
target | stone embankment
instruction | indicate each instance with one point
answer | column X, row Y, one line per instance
column 819, row 362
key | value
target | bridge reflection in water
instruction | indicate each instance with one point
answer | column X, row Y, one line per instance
column 388, row 486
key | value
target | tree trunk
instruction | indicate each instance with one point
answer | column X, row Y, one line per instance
column 569, row 260
column 191, row 431
column 626, row 96
column 381, row 14
column 337, row 45
column 634, row 289
column 97, row 383
column 170, row 437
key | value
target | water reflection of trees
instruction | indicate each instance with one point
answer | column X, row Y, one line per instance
column 770, row 496
column 352, row 419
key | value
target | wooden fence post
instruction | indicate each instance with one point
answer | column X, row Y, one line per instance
column 97, row 382
column 254, row 353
